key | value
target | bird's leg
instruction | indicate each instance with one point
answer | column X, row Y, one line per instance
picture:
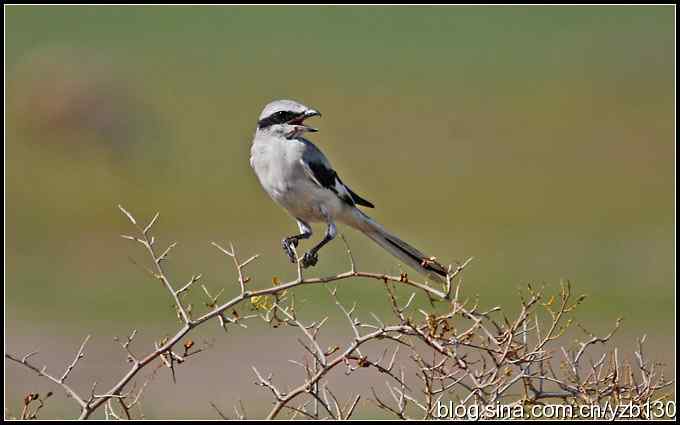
column 311, row 258
column 292, row 241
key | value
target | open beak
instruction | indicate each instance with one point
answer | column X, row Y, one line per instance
column 299, row 120
column 312, row 113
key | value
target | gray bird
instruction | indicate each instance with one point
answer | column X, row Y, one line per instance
column 299, row 177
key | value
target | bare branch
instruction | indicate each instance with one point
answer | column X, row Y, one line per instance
column 476, row 355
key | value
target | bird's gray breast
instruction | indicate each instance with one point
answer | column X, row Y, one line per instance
column 277, row 165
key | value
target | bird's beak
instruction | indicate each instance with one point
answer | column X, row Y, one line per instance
column 309, row 114
column 298, row 123
column 312, row 113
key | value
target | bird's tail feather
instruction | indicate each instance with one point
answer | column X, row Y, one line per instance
column 397, row 247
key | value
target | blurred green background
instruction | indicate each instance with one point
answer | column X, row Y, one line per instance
column 539, row 140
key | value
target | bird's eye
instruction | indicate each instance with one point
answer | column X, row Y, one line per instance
column 284, row 116
column 280, row 117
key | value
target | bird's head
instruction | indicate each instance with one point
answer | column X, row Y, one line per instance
column 286, row 118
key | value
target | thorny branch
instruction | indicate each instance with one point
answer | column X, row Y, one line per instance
column 464, row 353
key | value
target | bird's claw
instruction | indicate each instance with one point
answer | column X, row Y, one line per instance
column 287, row 245
column 309, row 259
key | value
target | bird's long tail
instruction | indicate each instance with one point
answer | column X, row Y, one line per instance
column 397, row 247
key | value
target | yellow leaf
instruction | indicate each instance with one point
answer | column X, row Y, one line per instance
column 262, row 301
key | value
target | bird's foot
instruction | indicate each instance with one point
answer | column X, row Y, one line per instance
column 309, row 259
column 288, row 244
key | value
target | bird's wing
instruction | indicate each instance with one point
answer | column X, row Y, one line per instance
column 323, row 175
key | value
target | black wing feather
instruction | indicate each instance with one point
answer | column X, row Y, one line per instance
column 359, row 200
column 328, row 178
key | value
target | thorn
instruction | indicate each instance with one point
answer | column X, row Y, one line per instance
column 129, row 216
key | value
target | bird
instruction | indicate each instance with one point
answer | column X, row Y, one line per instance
column 297, row 176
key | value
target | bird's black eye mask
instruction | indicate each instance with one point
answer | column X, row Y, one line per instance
column 281, row 117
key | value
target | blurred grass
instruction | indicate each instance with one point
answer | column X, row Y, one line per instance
column 539, row 140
